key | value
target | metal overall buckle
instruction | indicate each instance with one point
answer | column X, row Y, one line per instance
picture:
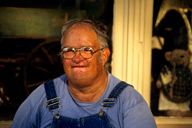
column 107, row 103
column 53, row 102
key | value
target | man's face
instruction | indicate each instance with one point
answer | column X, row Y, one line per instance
column 80, row 70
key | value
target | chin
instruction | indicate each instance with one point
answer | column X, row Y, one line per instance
column 80, row 82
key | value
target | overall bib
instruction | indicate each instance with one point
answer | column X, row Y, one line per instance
column 98, row 120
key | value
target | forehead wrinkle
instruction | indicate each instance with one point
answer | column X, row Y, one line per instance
column 89, row 34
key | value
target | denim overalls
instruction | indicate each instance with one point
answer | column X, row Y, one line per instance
column 98, row 120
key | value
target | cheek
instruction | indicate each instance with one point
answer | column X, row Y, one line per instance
column 97, row 63
column 66, row 65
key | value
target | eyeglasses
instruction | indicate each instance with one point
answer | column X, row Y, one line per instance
column 85, row 52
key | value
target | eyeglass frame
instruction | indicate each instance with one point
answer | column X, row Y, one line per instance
column 74, row 50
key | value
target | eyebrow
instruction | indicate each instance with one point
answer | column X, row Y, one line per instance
column 79, row 47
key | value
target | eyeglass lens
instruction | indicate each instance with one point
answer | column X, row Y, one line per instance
column 84, row 52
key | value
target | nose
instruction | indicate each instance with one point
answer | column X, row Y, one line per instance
column 77, row 58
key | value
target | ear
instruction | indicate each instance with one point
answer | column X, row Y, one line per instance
column 105, row 55
column 188, row 52
column 168, row 56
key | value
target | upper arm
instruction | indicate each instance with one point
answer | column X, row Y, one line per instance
column 22, row 118
column 136, row 113
column 139, row 116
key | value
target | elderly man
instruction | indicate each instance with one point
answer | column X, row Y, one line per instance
column 86, row 96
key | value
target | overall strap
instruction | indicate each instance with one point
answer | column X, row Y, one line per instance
column 110, row 101
column 118, row 89
column 52, row 99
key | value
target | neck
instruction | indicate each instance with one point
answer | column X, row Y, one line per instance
column 91, row 92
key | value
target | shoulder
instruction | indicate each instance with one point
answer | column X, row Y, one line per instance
column 129, row 97
column 133, row 106
column 128, row 93
column 130, row 107
column 39, row 95
column 59, row 81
